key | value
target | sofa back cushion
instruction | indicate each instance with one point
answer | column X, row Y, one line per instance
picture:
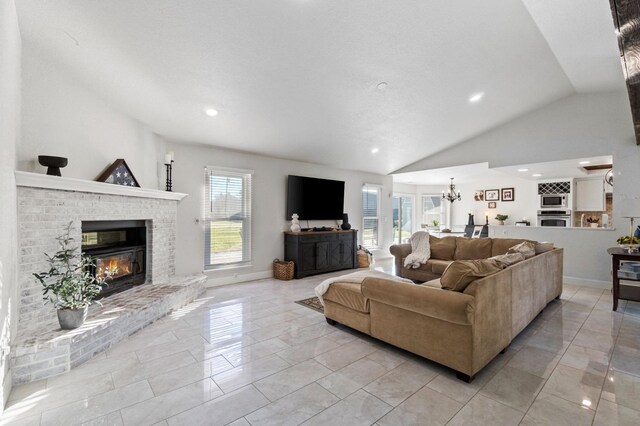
column 502, row 245
column 442, row 248
column 460, row 273
column 525, row 248
column 472, row 248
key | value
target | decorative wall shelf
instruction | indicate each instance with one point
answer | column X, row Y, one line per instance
column 37, row 180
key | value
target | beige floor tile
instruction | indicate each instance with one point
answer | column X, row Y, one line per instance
column 551, row 410
column 166, row 405
column 449, row 385
column 136, row 342
column 610, row 414
column 243, row 354
column 401, row 382
column 291, row 379
column 188, row 374
column 143, row 370
column 240, row 422
column 483, row 411
column 349, row 379
column 622, row 389
column 535, row 361
column 308, row 350
column 223, row 410
column 294, row 408
column 251, row 372
column 160, row 351
column 577, row 386
column 513, row 387
column 626, row 360
column 423, row 407
column 98, row 406
column 20, row 419
column 548, row 341
column 586, row 359
column 346, row 354
column 390, row 358
column 359, row 408
column 111, row 419
column 603, row 342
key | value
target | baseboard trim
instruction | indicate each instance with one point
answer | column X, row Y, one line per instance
column 237, row 278
column 586, row 282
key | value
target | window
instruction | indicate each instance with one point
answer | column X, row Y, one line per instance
column 370, row 216
column 227, row 217
column 432, row 210
column 402, row 217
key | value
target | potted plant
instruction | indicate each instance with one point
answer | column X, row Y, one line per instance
column 501, row 218
column 68, row 283
column 593, row 221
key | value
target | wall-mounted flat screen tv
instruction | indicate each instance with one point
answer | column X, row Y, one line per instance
column 315, row 199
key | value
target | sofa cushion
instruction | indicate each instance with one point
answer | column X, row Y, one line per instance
column 472, row 248
column 502, row 245
column 526, row 248
column 433, row 283
column 442, row 248
column 544, row 247
column 508, row 259
column 438, row 266
column 349, row 295
column 461, row 273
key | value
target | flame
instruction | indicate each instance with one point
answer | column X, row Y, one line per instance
column 113, row 269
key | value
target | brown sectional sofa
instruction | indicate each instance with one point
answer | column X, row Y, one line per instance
column 462, row 330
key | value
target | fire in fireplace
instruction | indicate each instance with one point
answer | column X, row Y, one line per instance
column 118, row 250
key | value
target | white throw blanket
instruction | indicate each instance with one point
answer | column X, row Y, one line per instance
column 355, row 277
column 420, row 250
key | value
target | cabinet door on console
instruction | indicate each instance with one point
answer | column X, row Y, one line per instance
column 347, row 254
column 335, row 253
column 322, row 255
column 307, row 261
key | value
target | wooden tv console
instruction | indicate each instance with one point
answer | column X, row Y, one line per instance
column 317, row 252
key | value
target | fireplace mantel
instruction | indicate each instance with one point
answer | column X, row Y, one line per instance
column 38, row 180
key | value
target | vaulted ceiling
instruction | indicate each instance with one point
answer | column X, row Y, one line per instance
column 299, row 79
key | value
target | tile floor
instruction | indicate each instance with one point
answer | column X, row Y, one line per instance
column 246, row 354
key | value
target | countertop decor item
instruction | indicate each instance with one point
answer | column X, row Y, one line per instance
column 53, row 164
column 501, row 218
column 168, row 163
column 119, row 173
column 345, row 222
column 295, row 223
column 632, row 247
column 69, row 283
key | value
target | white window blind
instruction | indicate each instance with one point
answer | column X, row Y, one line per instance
column 227, row 217
column 370, row 215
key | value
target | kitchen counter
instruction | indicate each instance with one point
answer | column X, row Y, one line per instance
column 569, row 228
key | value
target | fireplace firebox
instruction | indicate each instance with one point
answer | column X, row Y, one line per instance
column 118, row 250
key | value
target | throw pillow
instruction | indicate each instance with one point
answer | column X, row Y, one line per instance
column 527, row 249
column 543, row 247
column 508, row 259
column 433, row 283
column 460, row 273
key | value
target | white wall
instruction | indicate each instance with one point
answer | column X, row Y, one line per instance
column 61, row 117
column 580, row 125
column 268, row 205
column 10, row 46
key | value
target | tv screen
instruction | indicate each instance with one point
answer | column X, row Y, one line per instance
column 315, row 199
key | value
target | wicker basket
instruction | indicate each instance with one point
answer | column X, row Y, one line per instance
column 363, row 259
column 283, row 270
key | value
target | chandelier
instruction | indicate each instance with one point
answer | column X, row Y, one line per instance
column 451, row 195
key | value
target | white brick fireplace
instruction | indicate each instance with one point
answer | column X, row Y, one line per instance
column 46, row 204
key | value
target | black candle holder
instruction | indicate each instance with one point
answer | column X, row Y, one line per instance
column 169, row 175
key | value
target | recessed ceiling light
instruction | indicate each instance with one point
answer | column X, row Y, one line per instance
column 536, row 175
column 476, row 97
column 382, row 85
column 523, row 170
column 375, row 150
column 211, row 112
column 585, row 162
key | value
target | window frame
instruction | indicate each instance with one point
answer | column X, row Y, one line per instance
column 208, row 216
column 442, row 213
column 378, row 189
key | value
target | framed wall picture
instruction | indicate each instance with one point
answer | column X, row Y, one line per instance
column 492, row 205
column 479, row 195
column 492, row 194
column 507, row 194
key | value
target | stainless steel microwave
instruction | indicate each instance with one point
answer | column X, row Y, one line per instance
column 553, row 201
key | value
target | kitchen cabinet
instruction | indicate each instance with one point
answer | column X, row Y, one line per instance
column 590, row 195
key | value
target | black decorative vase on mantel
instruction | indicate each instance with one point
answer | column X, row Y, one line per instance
column 53, row 164
column 345, row 222
column 470, row 223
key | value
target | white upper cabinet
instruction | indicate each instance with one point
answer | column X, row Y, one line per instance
column 590, row 195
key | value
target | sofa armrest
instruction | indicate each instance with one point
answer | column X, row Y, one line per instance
column 445, row 305
column 399, row 252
